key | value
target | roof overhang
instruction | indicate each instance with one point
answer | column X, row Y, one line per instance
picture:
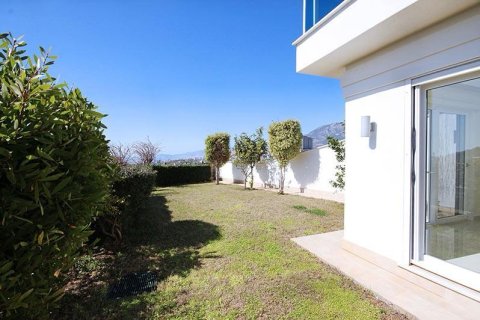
column 357, row 28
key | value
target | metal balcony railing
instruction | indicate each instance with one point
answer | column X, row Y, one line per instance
column 315, row 10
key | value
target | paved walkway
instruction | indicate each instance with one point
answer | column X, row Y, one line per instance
column 412, row 294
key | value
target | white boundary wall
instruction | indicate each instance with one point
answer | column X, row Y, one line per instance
column 308, row 174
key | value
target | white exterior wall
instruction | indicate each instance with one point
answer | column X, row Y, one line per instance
column 375, row 179
column 377, row 195
column 311, row 171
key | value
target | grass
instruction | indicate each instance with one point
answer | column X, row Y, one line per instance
column 315, row 211
column 222, row 252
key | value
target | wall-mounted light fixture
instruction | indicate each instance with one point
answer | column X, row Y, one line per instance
column 366, row 126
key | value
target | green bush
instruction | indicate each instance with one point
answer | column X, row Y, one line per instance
column 175, row 175
column 134, row 184
column 53, row 179
column 131, row 187
column 339, row 148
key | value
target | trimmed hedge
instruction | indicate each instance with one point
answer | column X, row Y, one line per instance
column 135, row 184
column 132, row 186
column 175, row 175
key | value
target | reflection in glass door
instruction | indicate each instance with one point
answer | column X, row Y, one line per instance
column 452, row 217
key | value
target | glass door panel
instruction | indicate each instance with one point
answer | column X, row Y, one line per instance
column 452, row 219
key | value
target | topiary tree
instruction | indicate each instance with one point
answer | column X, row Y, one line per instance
column 248, row 151
column 285, row 139
column 217, row 151
column 53, row 178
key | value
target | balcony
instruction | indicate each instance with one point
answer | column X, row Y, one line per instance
column 316, row 10
column 339, row 33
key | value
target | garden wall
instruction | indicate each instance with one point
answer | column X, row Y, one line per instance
column 309, row 173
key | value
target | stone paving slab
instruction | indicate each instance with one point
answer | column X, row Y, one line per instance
column 408, row 292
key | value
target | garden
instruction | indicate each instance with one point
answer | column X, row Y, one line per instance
column 220, row 252
column 88, row 234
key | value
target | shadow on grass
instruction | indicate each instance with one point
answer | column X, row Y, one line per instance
column 154, row 227
column 152, row 243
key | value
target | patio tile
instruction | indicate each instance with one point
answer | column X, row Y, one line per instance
column 410, row 293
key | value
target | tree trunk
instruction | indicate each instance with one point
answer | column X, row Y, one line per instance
column 282, row 179
column 251, row 177
column 217, row 175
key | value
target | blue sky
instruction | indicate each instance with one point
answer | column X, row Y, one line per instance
column 178, row 70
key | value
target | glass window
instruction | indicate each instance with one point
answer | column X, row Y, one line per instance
column 452, row 220
column 315, row 10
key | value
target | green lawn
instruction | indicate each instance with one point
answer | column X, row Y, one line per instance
column 222, row 253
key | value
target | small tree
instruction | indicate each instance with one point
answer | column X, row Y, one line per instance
column 285, row 138
column 339, row 148
column 121, row 154
column 217, row 151
column 243, row 145
column 248, row 151
column 146, row 151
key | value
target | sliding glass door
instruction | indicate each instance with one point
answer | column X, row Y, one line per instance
column 450, row 219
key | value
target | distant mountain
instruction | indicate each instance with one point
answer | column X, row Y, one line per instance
column 200, row 154
column 319, row 135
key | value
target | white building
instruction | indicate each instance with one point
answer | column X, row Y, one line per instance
column 410, row 73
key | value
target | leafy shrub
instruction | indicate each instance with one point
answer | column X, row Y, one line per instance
column 86, row 264
column 108, row 224
column 175, row 175
column 339, row 148
column 53, row 179
column 131, row 187
column 134, row 184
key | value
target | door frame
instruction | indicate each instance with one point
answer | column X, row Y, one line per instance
column 418, row 257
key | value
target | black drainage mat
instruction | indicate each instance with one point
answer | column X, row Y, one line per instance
column 133, row 284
